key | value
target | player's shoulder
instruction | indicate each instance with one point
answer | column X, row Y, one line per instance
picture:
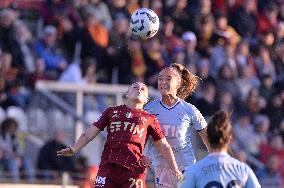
column 244, row 166
column 152, row 103
column 188, row 106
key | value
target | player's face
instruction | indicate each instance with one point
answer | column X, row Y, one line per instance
column 168, row 81
column 138, row 92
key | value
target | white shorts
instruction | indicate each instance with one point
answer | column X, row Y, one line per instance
column 164, row 178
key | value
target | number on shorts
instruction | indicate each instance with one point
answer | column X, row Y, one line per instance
column 231, row 184
column 136, row 182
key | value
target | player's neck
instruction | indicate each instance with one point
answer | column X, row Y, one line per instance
column 219, row 150
column 134, row 105
column 169, row 100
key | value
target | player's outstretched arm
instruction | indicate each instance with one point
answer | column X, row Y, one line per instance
column 83, row 140
column 165, row 149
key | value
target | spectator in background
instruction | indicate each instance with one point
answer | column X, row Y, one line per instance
column 23, row 52
column 244, row 58
column 201, row 15
column 178, row 55
column 279, row 60
column 274, row 146
column 226, row 101
column 138, row 64
column 266, row 89
column 47, row 49
column 244, row 134
column 207, row 103
column 93, row 36
column 270, row 175
column 55, row 11
column 190, row 42
column 48, row 162
column 103, row 10
column 241, row 155
column 202, row 69
column 204, row 34
column 274, row 111
column 253, row 103
column 268, row 20
column 267, row 40
column 13, row 160
column 261, row 124
column 155, row 59
column 132, row 5
column 118, row 8
column 222, row 53
column 8, row 41
column 244, row 20
column 14, row 82
column 281, row 128
column 226, row 80
column 279, row 33
column 180, row 15
column 117, row 61
column 224, row 29
column 246, row 81
column 39, row 73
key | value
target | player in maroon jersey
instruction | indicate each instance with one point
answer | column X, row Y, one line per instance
column 128, row 126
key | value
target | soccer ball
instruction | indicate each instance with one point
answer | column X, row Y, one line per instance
column 144, row 23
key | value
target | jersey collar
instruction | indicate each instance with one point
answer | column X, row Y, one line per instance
column 169, row 107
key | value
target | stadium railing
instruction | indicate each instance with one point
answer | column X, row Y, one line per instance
column 118, row 91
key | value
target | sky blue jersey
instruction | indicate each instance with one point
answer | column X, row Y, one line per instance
column 219, row 170
column 176, row 122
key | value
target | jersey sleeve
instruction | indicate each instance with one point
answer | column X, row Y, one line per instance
column 155, row 130
column 187, row 181
column 198, row 120
column 252, row 180
column 103, row 120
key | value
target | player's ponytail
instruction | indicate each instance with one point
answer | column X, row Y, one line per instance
column 188, row 81
column 219, row 130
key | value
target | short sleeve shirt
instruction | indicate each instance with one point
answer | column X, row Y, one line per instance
column 127, row 133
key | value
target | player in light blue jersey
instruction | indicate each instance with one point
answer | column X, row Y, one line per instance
column 219, row 169
column 176, row 118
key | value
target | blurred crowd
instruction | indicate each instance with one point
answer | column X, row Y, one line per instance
column 235, row 47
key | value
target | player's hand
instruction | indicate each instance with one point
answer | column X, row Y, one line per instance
column 66, row 152
column 178, row 174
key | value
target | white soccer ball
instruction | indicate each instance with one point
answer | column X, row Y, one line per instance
column 144, row 23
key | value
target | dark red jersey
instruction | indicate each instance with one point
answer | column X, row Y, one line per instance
column 128, row 130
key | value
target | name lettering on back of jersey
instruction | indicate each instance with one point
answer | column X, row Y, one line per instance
column 216, row 167
column 126, row 126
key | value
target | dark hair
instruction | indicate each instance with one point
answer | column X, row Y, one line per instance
column 219, row 130
column 188, row 81
column 6, row 124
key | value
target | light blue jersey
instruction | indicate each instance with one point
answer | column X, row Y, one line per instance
column 219, row 170
column 176, row 122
